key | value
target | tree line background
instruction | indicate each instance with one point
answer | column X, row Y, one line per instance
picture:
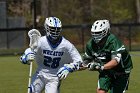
column 77, row 16
column 77, row 11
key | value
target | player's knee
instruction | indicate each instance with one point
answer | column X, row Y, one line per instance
column 35, row 89
column 101, row 91
column 32, row 89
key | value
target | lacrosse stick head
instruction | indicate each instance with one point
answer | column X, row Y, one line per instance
column 34, row 36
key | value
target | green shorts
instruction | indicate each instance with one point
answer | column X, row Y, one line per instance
column 114, row 83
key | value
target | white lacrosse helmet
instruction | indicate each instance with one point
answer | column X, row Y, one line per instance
column 53, row 27
column 100, row 29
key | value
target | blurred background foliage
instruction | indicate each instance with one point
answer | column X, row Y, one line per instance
column 77, row 11
column 78, row 15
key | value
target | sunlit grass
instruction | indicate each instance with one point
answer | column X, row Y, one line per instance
column 14, row 77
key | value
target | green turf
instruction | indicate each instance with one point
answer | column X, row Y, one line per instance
column 14, row 77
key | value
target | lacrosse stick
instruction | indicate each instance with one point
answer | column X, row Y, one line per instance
column 34, row 36
column 86, row 64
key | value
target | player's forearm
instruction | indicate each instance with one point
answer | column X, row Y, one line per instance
column 111, row 64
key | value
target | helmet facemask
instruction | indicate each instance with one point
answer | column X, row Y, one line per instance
column 53, row 27
column 53, row 32
column 98, row 36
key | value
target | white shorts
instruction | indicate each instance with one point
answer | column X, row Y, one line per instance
column 46, row 81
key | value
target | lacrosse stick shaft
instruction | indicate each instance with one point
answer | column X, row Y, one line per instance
column 30, row 74
column 34, row 36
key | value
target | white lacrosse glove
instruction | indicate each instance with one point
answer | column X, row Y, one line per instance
column 72, row 66
column 27, row 57
column 62, row 73
column 30, row 57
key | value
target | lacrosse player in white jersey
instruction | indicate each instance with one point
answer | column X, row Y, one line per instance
column 55, row 57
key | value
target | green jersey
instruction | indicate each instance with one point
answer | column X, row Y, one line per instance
column 111, row 48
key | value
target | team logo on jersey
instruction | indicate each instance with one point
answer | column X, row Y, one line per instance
column 104, row 56
column 99, row 55
column 54, row 53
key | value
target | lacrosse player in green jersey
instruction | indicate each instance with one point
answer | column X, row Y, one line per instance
column 106, row 54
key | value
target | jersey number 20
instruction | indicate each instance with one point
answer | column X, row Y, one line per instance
column 51, row 62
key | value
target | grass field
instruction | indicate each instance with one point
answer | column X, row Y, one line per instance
column 14, row 77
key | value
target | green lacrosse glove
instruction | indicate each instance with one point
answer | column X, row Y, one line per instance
column 94, row 66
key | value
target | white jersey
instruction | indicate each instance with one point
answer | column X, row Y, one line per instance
column 50, row 59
